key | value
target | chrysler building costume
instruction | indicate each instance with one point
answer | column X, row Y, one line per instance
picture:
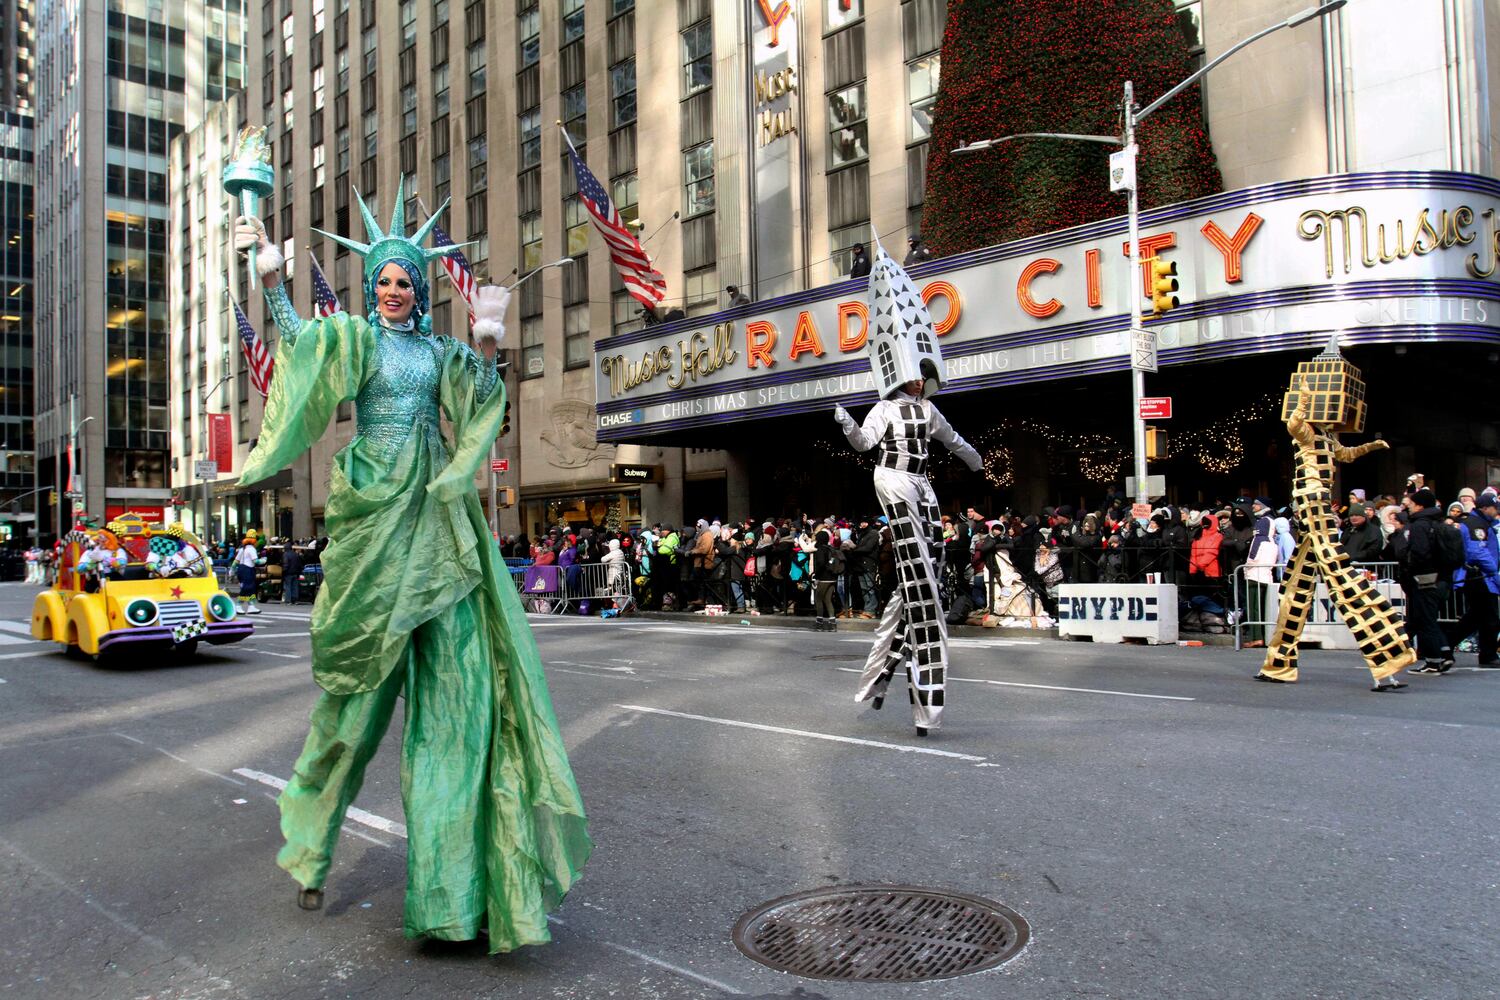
column 903, row 351
column 1327, row 396
column 416, row 602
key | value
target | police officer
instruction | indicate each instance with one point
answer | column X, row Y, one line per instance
column 1480, row 580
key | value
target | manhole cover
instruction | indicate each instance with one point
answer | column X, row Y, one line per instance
column 840, row 656
column 894, row 934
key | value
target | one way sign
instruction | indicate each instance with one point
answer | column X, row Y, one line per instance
column 1143, row 350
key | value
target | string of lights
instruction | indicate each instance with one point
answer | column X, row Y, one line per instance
column 1219, row 447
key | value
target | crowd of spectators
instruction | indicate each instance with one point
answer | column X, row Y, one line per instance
column 1004, row 567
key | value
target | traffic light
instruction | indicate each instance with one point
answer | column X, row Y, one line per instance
column 1163, row 284
column 1156, row 443
column 507, row 496
column 505, row 420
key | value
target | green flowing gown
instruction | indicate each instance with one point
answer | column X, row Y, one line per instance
column 416, row 601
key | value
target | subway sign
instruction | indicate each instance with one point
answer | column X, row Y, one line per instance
column 1381, row 257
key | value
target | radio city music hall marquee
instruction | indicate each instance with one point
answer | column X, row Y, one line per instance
column 1383, row 257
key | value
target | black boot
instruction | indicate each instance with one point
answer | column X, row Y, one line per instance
column 310, row 899
column 921, row 731
column 879, row 700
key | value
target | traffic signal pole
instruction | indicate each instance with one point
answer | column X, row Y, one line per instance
column 1137, row 375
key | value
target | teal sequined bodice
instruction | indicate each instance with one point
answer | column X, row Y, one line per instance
column 403, row 392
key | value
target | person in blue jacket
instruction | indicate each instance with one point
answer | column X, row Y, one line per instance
column 1479, row 580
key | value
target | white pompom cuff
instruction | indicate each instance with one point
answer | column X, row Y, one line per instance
column 268, row 261
column 489, row 329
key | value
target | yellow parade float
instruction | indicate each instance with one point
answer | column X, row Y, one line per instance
column 134, row 587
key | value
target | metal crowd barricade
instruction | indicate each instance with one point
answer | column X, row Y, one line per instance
column 599, row 586
column 1324, row 614
column 517, row 569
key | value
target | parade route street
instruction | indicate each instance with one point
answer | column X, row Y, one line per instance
column 1167, row 827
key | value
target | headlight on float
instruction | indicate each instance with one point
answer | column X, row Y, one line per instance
column 221, row 607
column 141, row 611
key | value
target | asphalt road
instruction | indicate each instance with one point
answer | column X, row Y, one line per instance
column 1169, row 828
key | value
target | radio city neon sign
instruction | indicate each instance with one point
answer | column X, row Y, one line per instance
column 1231, row 248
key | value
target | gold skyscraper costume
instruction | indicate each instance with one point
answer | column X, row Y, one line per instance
column 1327, row 397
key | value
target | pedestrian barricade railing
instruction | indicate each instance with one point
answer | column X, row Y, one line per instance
column 517, row 569
column 583, row 587
column 1255, row 606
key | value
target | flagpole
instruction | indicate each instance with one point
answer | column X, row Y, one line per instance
column 319, row 265
column 494, row 481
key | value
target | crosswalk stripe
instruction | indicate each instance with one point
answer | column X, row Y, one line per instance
column 21, row 627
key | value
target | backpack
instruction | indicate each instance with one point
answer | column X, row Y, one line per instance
column 836, row 562
column 1448, row 548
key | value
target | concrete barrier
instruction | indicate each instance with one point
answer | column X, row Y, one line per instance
column 1114, row 612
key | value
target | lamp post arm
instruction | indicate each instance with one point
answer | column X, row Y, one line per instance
column 1301, row 17
column 1204, row 70
column 983, row 144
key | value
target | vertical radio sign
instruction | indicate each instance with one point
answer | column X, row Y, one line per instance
column 775, row 147
column 220, row 445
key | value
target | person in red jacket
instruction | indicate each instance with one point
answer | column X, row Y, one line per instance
column 1205, row 555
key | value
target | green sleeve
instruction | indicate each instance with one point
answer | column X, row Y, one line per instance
column 324, row 365
column 476, row 412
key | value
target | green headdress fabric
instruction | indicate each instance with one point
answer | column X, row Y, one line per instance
column 393, row 243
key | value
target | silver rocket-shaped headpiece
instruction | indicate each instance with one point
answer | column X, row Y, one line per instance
column 902, row 344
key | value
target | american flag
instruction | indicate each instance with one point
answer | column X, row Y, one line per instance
column 327, row 302
column 256, row 354
column 641, row 279
column 457, row 266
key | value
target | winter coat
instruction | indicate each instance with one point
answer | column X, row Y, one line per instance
column 1205, row 552
column 1264, row 553
column 1481, row 552
column 1365, row 543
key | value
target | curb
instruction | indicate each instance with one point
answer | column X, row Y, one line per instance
column 866, row 625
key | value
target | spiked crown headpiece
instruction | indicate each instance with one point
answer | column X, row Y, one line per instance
column 393, row 244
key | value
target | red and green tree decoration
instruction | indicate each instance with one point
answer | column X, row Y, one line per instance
column 1012, row 66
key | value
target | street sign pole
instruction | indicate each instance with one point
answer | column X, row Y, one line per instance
column 1137, row 371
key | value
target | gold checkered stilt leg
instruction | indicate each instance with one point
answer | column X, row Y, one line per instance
column 1327, row 396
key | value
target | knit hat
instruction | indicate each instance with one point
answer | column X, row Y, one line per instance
column 1425, row 498
column 1358, row 510
column 1358, row 495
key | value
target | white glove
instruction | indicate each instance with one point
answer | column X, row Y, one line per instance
column 842, row 415
column 250, row 233
column 489, row 305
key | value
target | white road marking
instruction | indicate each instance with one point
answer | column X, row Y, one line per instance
column 602, row 677
column 712, row 630
column 284, row 656
column 195, row 767
column 802, row 732
column 22, row 656
column 358, row 815
column 962, row 643
column 11, row 640
column 131, row 739
column 596, row 666
column 1050, row 687
column 23, row 628
column 278, row 635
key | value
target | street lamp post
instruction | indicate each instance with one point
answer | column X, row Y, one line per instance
column 203, row 533
column 72, row 470
column 1126, row 142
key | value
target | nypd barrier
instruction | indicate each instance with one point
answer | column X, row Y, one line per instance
column 1114, row 612
column 1407, row 256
